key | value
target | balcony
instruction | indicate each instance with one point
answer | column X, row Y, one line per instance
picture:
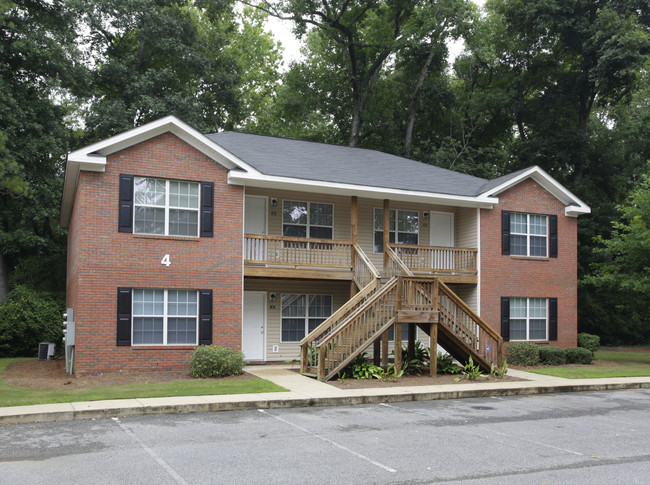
column 450, row 265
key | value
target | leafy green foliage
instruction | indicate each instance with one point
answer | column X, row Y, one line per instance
column 446, row 364
column 578, row 355
column 471, row 371
column 499, row 372
column 589, row 342
column 27, row 318
column 216, row 361
column 418, row 362
column 552, row 356
column 522, row 353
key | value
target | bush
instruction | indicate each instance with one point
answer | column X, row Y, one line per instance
column 522, row 353
column 28, row 317
column 215, row 361
column 552, row 356
column 578, row 355
column 589, row 342
column 446, row 364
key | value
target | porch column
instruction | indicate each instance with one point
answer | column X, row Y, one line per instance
column 384, row 349
column 411, row 342
column 354, row 231
column 386, row 231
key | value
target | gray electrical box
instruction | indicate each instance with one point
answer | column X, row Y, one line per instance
column 69, row 339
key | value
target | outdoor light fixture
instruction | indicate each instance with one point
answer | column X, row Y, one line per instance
column 274, row 201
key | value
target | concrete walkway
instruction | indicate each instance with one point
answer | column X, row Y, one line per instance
column 305, row 391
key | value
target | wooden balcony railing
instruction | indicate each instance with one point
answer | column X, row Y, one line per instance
column 297, row 251
column 432, row 259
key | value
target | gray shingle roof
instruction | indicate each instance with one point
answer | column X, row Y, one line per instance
column 339, row 164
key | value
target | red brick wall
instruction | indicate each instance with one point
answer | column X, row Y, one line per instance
column 101, row 259
column 516, row 276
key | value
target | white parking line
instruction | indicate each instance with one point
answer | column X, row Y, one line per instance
column 170, row 471
column 333, row 443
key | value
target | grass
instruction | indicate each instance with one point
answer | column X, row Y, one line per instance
column 627, row 364
column 21, row 396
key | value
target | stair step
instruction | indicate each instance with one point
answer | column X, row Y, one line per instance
column 309, row 374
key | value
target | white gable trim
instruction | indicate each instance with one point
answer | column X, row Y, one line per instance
column 93, row 157
column 574, row 206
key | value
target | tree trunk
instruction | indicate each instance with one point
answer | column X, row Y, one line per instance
column 410, row 119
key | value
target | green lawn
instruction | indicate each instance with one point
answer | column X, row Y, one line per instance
column 628, row 364
column 20, row 396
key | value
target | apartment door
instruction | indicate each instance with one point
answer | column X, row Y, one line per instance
column 255, row 223
column 254, row 325
column 442, row 235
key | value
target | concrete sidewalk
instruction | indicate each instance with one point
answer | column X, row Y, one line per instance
column 305, row 391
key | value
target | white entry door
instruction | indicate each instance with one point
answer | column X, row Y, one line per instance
column 253, row 327
column 442, row 235
column 255, row 223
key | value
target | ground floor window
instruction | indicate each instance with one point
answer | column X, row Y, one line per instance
column 405, row 333
column 303, row 313
column 165, row 317
column 528, row 318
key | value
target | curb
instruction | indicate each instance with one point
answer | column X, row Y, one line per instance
column 25, row 415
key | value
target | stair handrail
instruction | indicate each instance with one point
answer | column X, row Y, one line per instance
column 335, row 320
column 396, row 266
column 365, row 272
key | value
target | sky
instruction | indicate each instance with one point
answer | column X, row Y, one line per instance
column 282, row 32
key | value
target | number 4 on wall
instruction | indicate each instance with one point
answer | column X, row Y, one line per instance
column 165, row 260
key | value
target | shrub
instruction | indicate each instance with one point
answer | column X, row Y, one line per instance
column 578, row 355
column 522, row 353
column 446, row 364
column 552, row 356
column 28, row 317
column 589, row 341
column 216, row 361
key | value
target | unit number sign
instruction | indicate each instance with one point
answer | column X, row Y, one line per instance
column 165, row 260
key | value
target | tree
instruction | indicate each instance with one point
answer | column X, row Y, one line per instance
column 39, row 75
column 625, row 272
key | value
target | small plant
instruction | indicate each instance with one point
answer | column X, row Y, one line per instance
column 552, row 356
column 418, row 362
column 589, row 342
column 578, row 355
column 522, row 353
column 499, row 372
column 471, row 371
column 446, row 364
column 312, row 355
column 366, row 370
column 341, row 376
column 391, row 374
column 216, row 361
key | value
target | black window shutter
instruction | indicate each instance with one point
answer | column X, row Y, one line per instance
column 205, row 317
column 505, row 232
column 552, row 318
column 552, row 232
column 125, row 223
column 505, row 318
column 124, row 316
column 207, row 209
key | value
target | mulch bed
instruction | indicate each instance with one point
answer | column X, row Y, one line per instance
column 416, row 380
column 51, row 374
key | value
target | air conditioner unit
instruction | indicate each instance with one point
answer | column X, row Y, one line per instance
column 46, row 351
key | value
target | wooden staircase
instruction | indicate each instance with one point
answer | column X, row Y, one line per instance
column 403, row 298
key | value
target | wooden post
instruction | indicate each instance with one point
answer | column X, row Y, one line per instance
column 386, row 231
column 398, row 346
column 303, row 358
column 354, row 219
column 411, row 343
column 321, row 363
column 376, row 352
column 433, row 350
column 384, row 349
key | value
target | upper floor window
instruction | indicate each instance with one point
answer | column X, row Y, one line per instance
column 307, row 219
column 168, row 207
column 406, row 231
column 528, row 235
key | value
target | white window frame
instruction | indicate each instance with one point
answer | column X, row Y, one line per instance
column 308, row 225
column 528, row 318
column 165, row 316
column 306, row 317
column 167, row 207
column 528, row 235
column 394, row 231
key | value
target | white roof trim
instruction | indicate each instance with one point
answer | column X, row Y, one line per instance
column 93, row 157
column 574, row 206
column 335, row 188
